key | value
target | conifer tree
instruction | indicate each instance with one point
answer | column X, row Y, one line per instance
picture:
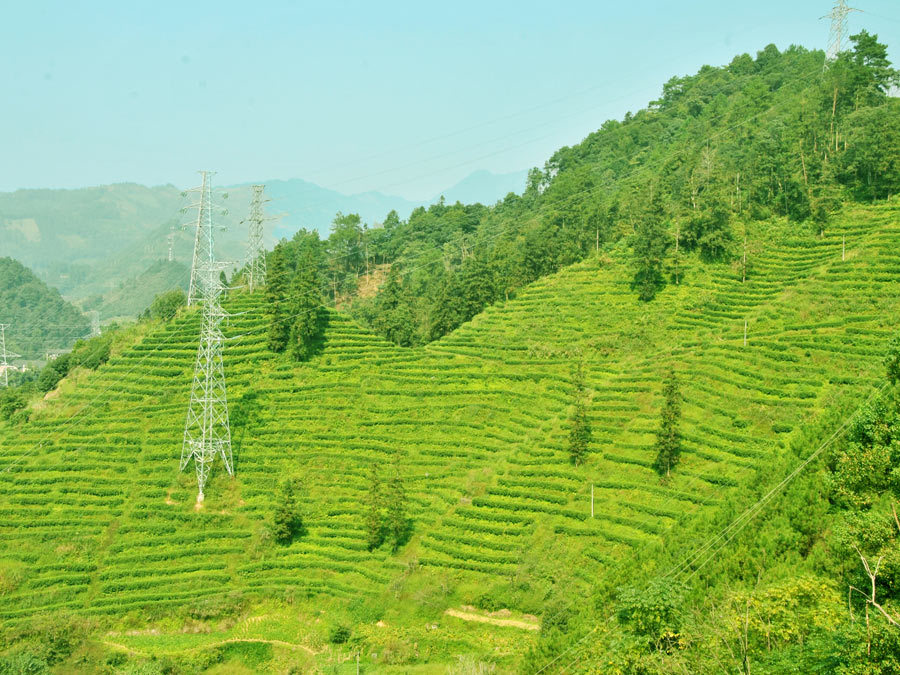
column 397, row 524
column 650, row 243
column 306, row 311
column 276, row 286
column 395, row 318
column 668, row 436
column 287, row 521
column 374, row 510
column 579, row 424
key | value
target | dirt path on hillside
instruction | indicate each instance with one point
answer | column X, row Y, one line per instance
column 480, row 618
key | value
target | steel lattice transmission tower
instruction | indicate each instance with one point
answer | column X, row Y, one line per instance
column 4, row 355
column 171, row 241
column 95, row 323
column 203, row 239
column 256, row 253
column 207, row 433
column 838, row 33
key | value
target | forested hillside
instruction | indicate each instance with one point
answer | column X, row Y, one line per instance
column 40, row 320
column 134, row 295
column 642, row 418
column 765, row 137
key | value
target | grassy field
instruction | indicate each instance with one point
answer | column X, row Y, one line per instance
column 97, row 521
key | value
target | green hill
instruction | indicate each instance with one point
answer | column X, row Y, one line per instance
column 135, row 295
column 39, row 319
column 100, row 527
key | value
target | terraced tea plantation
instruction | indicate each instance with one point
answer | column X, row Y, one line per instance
column 96, row 519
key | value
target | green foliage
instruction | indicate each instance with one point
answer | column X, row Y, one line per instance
column 375, row 529
column 307, row 315
column 339, row 634
column 346, row 251
column 276, row 299
column 579, row 423
column 709, row 231
column 287, row 520
column 166, row 305
column 11, row 401
column 397, row 522
column 394, row 311
column 650, row 244
column 40, row 319
column 23, row 662
column 870, row 165
column 668, row 436
column 90, row 354
column 892, row 360
column 138, row 293
column 653, row 612
column 50, row 639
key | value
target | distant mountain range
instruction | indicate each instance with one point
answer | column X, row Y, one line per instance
column 90, row 243
column 305, row 204
column 485, row 187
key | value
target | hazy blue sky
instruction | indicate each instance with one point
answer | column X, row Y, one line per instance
column 402, row 97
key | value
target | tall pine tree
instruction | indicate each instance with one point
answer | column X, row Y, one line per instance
column 374, row 510
column 579, row 424
column 650, row 243
column 395, row 318
column 276, row 291
column 668, row 436
column 307, row 316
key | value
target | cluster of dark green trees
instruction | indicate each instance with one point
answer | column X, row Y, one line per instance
column 776, row 135
column 297, row 316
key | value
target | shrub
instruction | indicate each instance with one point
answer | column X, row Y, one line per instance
column 11, row 401
column 339, row 634
column 165, row 306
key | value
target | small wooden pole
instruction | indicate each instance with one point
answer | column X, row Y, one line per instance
column 744, row 266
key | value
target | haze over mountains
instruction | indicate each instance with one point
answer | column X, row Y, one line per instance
column 90, row 242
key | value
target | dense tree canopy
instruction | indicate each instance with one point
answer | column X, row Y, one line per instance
column 39, row 318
